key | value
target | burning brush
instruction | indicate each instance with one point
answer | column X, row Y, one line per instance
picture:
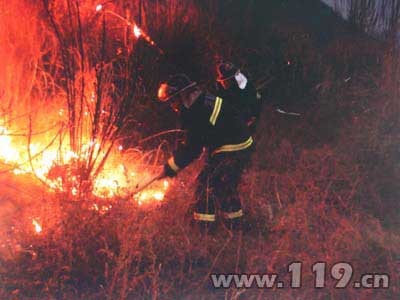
column 137, row 31
column 60, row 169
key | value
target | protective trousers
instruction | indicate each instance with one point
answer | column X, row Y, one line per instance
column 217, row 187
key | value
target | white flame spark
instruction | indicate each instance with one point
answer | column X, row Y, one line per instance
column 137, row 31
column 38, row 228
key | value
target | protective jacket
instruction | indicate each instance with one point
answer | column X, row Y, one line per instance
column 210, row 122
column 246, row 101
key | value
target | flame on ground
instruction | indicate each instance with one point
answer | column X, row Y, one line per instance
column 116, row 179
column 30, row 90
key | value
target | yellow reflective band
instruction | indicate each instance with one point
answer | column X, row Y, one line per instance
column 204, row 217
column 237, row 147
column 234, row 215
column 217, row 109
column 173, row 165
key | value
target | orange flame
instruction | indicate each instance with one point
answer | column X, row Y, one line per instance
column 49, row 157
column 114, row 180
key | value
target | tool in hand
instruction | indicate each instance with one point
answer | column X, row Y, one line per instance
column 140, row 187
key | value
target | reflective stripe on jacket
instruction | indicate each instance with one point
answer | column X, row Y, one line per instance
column 213, row 123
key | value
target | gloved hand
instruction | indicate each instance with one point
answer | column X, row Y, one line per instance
column 168, row 171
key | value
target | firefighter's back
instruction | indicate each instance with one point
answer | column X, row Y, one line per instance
column 223, row 127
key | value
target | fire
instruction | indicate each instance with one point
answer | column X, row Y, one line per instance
column 39, row 136
column 38, row 228
column 137, row 31
column 115, row 179
column 140, row 33
column 149, row 196
column 7, row 153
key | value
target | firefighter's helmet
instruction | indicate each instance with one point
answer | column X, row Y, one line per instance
column 175, row 85
column 226, row 71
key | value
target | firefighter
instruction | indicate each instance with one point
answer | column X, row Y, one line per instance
column 211, row 123
column 233, row 85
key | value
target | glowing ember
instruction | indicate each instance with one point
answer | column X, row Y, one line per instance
column 152, row 195
column 99, row 7
column 147, row 196
column 158, row 196
column 137, row 31
column 38, row 228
